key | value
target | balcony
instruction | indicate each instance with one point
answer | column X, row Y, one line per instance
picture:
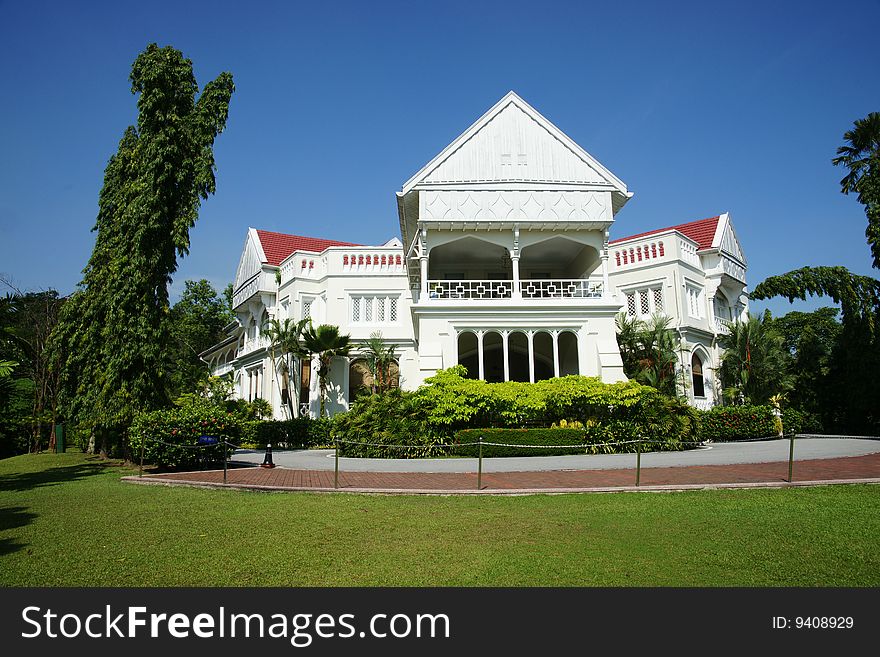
column 722, row 326
column 481, row 290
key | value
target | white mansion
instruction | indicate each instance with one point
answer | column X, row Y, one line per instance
column 504, row 266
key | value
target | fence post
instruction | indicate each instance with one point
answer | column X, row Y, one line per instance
column 480, row 465
column 225, row 458
column 790, row 457
column 143, row 442
column 638, row 460
column 336, row 464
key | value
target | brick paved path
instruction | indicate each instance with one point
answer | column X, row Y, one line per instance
column 854, row 468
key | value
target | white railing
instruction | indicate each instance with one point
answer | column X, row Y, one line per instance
column 688, row 253
column 561, row 289
column 220, row 370
column 722, row 325
column 733, row 269
column 247, row 290
column 528, row 289
column 252, row 345
column 470, row 289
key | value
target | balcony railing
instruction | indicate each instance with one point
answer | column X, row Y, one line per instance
column 561, row 289
column 470, row 289
column 528, row 289
column 722, row 325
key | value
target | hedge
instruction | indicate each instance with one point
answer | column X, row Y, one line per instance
column 795, row 421
column 170, row 437
column 726, row 423
column 301, row 432
column 610, row 438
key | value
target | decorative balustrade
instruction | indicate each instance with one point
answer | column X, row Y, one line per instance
column 722, row 325
column 529, row 289
column 252, row 345
column 372, row 262
column 225, row 368
column 470, row 289
column 561, row 289
column 631, row 255
column 688, row 253
column 247, row 290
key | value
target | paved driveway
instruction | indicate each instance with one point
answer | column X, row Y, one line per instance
column 717, row 454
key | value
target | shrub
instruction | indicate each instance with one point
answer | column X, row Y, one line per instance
column 301, row 432
column 430, row 417
column 724, row 423
column 795, row 421
column 377, row 426
column 170, row 437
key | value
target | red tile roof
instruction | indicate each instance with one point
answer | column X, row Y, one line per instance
column 702, row 232
column 277, row 246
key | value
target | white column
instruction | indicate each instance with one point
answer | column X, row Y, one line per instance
column 605, row 291
column 514, row 265
column 555, row 335
column 504, row 336
column 480, row 355
column 531, row 336
column 423, row 262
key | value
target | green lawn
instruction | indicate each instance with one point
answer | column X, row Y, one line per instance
column 67, row 520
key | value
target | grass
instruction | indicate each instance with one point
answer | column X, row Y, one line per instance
column 67, row 520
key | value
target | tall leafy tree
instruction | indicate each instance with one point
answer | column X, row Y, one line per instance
column 196, row 323
column 27, row 320
column 755, row 365
column 326, row 343
column 861, row 155
column 114, row 334
column 812, row 340
column 850, row 398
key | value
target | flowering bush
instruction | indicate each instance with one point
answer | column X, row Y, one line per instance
column 724, row 423
column 170, row 438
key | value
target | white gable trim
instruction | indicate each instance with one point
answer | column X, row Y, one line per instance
column 725, row 227
column 513, row 98
column 255, row 238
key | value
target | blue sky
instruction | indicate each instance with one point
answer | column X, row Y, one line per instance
column 700, row 108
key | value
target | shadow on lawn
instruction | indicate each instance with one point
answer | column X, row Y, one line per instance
column 52, row 476
column 10, row 518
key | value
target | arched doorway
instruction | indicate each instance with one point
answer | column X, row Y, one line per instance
column 568, row 354
column 468, row 354
column 493, row 357
column 518, row 356
column 542, row 345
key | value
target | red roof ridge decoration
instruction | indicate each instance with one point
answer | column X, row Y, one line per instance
column 701, row 231
column 277, row 246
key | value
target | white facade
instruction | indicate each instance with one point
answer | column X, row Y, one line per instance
column 504, row 266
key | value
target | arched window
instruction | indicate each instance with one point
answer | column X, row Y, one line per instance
column 697, row 376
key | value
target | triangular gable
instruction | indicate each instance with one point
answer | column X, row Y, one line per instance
column 252, row 259
column 726, row 239
column 513, row 142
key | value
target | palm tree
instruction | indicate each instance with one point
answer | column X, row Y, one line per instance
column 755, row 365
column 379, row 357
column 862, row 156
column 326, row 343
column 285, row 339
column 648, row 349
